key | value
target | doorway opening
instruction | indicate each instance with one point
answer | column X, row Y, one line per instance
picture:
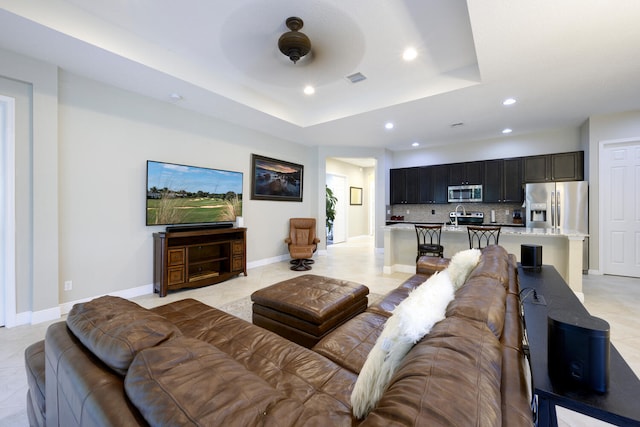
column 7, row 211
column 338, row 233
column 352, row 181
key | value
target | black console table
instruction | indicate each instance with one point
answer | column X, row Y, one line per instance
column 619, row 405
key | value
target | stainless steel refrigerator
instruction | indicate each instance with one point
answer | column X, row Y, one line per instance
column 562, row 206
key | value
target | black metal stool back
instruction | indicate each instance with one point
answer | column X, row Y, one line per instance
column 429, row 240
column 482, row 236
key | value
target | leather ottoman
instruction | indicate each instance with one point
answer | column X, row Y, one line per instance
column 306, row 308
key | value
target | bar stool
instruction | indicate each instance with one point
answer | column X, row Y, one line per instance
column 429, row 240
column 481, row 236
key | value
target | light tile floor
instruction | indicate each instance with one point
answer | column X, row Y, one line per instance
column 615, row 299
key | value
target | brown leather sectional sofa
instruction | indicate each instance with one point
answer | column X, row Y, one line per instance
column 210, row 368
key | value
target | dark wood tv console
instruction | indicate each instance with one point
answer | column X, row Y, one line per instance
column 195, row 258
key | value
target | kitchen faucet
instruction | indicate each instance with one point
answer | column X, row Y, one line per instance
column 464, row 212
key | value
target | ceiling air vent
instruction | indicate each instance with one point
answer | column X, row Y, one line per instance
column 356, row 77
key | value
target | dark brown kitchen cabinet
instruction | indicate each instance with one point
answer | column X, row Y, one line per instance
column 513, row 190
column 493, row 181
column 440, row 183
column 433, row 184
column 404, row 185
column 466, row 173
column 503, row 181
column 554, row 167
column 536, row 169
column 567, row 166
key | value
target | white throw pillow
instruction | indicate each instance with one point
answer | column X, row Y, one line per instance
column 461, row 265
column 412, row 319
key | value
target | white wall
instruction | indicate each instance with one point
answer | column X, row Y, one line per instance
column 34, row 84
column 106, row 137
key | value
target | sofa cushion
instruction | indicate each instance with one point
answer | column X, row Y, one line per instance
column 190, row 382
column 349, row 344
column 481, row 298
column 411, row 320
column 115, row 329
column 323, row 386
column 386, row 305
column 451, row 377
column 495, row 264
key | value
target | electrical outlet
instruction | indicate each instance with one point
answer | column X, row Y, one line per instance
column 506, row 211
column 433, row 211
column 408, row 212
column 68, row 285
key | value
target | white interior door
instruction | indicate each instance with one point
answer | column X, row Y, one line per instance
column 338, row 184
column 620, row 207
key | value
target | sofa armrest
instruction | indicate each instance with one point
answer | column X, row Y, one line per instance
column 80, row 389
column 428, row 265
column 35, row 366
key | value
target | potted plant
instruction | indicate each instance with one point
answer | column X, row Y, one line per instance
column 331, row 212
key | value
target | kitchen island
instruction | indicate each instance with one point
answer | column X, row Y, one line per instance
column 563, row 249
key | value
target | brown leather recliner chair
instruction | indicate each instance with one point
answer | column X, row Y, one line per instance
column 302, row 242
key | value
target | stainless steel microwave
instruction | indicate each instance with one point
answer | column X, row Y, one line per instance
column 465, row 193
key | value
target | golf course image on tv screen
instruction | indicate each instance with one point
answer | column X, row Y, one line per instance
column 180, row 194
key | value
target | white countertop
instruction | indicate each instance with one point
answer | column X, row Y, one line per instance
column 504, row 230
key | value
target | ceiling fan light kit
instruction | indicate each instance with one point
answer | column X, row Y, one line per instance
column 294, row 44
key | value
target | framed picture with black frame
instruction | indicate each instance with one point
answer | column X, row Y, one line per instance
column 355, row 196
column 273, row 179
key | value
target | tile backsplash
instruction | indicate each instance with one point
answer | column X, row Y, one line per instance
column 423, row 213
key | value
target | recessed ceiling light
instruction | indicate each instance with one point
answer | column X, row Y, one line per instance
column 388, row 125
column 409, row 54
column 415, row 144
column 175, row 97
column 509, row 101
column 507, row 130
column 309, row 90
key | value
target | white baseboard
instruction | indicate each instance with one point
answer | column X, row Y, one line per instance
column 125, row 293
column 401, row 268
column 267, row 261
column 45, row 315
column 34, row 317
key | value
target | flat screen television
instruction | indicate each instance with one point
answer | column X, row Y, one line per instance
column 180, row 195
